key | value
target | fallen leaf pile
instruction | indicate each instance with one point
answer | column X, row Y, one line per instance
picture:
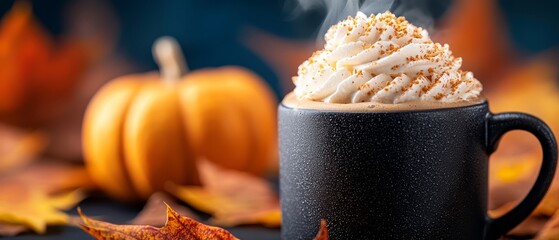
column 38, row 73
column 35, row 196
column 34, row 192
column 177, row 227
column 231, row 197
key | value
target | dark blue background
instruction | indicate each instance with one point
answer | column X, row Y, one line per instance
column 210, row 30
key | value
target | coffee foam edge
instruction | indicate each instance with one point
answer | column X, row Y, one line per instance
column 292, row 101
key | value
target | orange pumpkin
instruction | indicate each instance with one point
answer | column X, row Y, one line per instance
column 141, row 131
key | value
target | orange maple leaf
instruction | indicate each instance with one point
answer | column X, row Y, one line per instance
column 34, row 197
column 38, row 71
column 322, row 232
column 475, row 31
column 34, row 209
column 231, row 197
column 19, row 148
column 284, row 57
column 177, row 227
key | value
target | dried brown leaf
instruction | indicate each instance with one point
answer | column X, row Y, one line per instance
column 550, row 230
column 323, row 231
column 38, row 72
column 19, row 148
column 284, row 58
column 177, row 227
column 231, row 197
column 487, row 52
column 9, row 230
column 527, row 228
column 50, row 176
column 154, row 212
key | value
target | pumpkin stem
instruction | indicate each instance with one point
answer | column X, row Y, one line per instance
column 168, row 55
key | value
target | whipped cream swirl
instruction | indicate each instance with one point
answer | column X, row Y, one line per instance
column 383, row 59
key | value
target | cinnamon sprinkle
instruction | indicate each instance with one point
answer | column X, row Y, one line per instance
column 439, row 57
column 364, row 86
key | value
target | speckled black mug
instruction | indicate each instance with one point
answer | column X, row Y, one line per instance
column 399, row 175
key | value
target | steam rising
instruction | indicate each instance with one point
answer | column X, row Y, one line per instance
column 415, row 11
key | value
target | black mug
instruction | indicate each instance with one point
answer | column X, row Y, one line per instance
column 420, row 174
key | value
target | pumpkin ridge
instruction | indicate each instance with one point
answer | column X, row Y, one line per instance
column 97, row 127
column 194, row 178
column 260, row 157
column 122, row 155
column 154, row 143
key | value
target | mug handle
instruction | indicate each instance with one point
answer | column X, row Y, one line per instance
column 496, row 126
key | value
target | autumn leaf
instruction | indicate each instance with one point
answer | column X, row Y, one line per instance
column 35, row 209
column 154, row 212
column 506, row 171
column 38, row 72
column 528, row 227
column 50, row 177
column 231, row 197
column 177, row 227
column 284, row 58
column 475, row 30
column 35, row 196
column 19, row 148
column 323, row 231
column 550, row 230
column 9, row 230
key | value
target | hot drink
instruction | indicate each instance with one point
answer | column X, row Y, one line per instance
column 385, row 137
